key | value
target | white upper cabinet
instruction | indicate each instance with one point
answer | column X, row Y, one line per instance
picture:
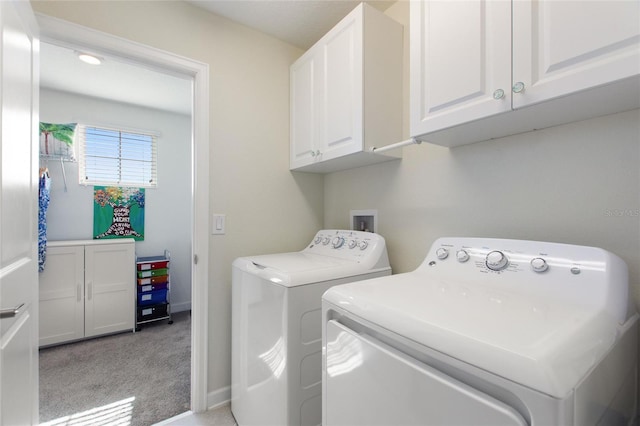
column 542, row 62
column 346, row 94
column 460, row 56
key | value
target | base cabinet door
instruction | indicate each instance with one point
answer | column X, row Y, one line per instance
column 86, row 289
column 62, row 295
column 109, row 304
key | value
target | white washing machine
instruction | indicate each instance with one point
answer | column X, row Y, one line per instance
column 485, row 332
column 276, row 338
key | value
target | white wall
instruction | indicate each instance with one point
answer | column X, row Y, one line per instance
column 268, row 208
column 167, row 207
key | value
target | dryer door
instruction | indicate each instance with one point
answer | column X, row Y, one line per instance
column 370, row 383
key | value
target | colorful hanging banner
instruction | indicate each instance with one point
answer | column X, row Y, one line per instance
column 56, row 140
column 118, row 212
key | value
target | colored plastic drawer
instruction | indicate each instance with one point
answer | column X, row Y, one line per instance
column 153, row 312
column 153, row 280
column 152, row 273
column 152, row 297
column 145, row 266
column 152, row 287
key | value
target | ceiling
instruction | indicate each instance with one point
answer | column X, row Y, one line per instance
column 298, row 22
column 114, row 79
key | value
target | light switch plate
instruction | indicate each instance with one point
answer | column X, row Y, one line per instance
column 218, row 225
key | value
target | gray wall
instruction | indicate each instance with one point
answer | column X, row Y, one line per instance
column 167, row 207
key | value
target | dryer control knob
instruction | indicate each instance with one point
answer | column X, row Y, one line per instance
column 539, row 264
column 363, row 245
column 318, row 239
column 496, row 261
column 462, row 256
column 442, row 253
column 353, row 244
column 326, row 240
column 337, row 242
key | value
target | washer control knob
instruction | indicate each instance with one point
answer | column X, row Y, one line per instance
column 442, row 253
column 462, row 256
column 539, row 264
column 496, row 260
column 318, row 239
column 352, row 244
column 338, row 242
column 326, row 240
column 363, row 245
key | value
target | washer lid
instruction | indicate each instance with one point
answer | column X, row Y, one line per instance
column 299, row 268
column 534, row 342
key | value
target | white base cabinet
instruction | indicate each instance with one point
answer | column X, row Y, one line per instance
column 346, row 94
column 86, row 289
column 482, row 69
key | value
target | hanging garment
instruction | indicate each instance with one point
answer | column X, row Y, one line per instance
column 44, row 190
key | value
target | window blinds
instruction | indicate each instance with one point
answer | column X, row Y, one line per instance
column 117, row 157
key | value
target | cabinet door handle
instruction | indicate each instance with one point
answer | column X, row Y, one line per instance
column 79, row 292
column 518, row 87
column 498, row 94
column 89, row 290
column 11, row 312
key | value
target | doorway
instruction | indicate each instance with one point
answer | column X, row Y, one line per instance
column 77, row 37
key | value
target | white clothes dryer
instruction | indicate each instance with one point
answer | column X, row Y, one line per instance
column 277, row 327
column 485, row 332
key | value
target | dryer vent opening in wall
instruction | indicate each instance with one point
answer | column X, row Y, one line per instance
column 364, row 220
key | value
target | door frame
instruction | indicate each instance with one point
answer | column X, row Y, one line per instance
column 60, row 32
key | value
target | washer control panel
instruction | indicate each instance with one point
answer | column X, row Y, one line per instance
column 345, row 243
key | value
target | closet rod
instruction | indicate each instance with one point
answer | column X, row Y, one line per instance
column 397, row 145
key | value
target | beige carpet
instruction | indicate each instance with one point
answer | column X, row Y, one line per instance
column 134, row 379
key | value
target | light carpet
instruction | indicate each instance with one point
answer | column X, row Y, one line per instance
column 134, row 379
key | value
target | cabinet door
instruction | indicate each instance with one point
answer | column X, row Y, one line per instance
column 562, row 47
column 460, row 61
column 109, row 286
column 304, row 109
column 62, row 295
column 342, row 101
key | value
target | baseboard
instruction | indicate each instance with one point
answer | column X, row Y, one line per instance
column 175, row 420
column 219, row 398
column 180, row 307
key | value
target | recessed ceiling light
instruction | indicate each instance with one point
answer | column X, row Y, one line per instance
column 89, row 59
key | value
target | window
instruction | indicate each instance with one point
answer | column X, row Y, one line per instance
column 116, row 157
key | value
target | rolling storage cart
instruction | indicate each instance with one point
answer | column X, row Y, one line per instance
column 153, row 289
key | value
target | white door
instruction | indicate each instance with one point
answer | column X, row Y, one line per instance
column 563, row 47
column 460, row 62
column 19, row 69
